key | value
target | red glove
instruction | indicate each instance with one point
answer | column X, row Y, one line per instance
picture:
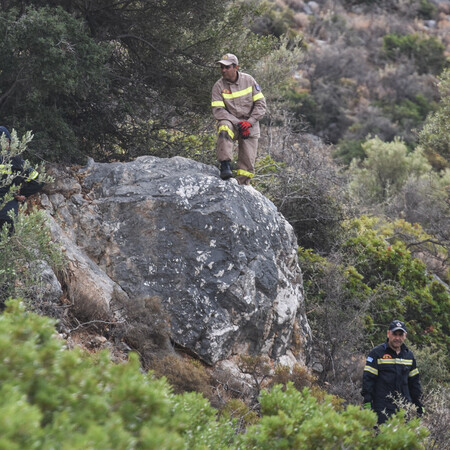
column 244, row 129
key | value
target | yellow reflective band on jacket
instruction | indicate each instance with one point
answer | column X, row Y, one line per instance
column 404, row 362
column 371, row 370
column 227, row 129
column 5, row 169
column 245, row 173
column 33, row 175
column 237, row 94
column 218, row 104
column 413, row 373
column 258, row 96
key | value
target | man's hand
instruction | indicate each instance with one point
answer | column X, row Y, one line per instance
column 20, row 198
column 244, row 129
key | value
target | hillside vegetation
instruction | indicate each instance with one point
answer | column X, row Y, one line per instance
column 355, row 153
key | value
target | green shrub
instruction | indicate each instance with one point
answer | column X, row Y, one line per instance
column 408, row 112
column 385, row 170
column 427, row 53
column 22, row 255
column 435, row 136
column 293, row 419
column 405, row 289
column 56, row 398
column 426, row 9
column 347, row 150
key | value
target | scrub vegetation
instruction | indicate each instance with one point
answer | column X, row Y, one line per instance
column 354, row 153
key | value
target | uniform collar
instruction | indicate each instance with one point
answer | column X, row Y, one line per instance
column 402, row 348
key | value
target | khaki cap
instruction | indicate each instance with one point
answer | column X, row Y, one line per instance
column 228, row 59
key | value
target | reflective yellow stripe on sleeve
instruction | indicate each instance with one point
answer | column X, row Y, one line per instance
column 258, row 96
column 5, row 169
column 227, row 129
column 371, row 370
column 218, row 104
column 33, row 175
column 245, row 173
column 246, row 91
column 413, row 373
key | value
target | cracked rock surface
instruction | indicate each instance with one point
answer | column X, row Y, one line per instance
column 219, row 256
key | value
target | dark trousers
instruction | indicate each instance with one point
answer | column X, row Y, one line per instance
column 383, row 416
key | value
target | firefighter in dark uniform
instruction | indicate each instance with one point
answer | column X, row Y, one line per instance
column 390, row 373
column 15, row 179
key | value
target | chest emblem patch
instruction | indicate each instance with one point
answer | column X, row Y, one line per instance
column 226, row 91
column 386, row 356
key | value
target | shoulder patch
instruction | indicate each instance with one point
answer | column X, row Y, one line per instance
column 257, row 87
column 369, row 359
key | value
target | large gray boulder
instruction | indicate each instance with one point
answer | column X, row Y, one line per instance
column 219, row 256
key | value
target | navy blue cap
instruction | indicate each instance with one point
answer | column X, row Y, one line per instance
column 397, row 325
column 5, row 131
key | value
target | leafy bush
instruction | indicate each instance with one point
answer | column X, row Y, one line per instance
column 428, row 53
column 408, row 113
column 43, row 79
column 75, row 400
column 400, row 280
column 58, row 398
column 24, row 253
column 385, row 170
column 347, row 150
column 293, row 419
column 435, row 135
column 426, row 9
column 361, row 286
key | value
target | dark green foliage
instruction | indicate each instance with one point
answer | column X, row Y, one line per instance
column 347, row 150
column 105, row 78
column 52, row 79
column 408, row 113
column 435, row 135
column 428, row 53
column 401, row 282
column 52, row 397
column 426, row 10
column 304, row 107
column 276, row 20
column 356, row 291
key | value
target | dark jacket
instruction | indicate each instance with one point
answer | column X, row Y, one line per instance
column 387, row 373
column 25, row 181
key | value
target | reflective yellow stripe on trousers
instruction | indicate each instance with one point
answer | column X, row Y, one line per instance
column 227, row 129
column 245, row 173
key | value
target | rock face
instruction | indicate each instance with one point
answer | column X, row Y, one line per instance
column 220, row 258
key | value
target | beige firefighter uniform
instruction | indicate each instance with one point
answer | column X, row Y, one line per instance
column 231, row 103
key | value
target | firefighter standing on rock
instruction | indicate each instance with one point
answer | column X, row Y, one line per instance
column 238, row 105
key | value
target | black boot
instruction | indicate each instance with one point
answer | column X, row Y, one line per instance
column 225, row 170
